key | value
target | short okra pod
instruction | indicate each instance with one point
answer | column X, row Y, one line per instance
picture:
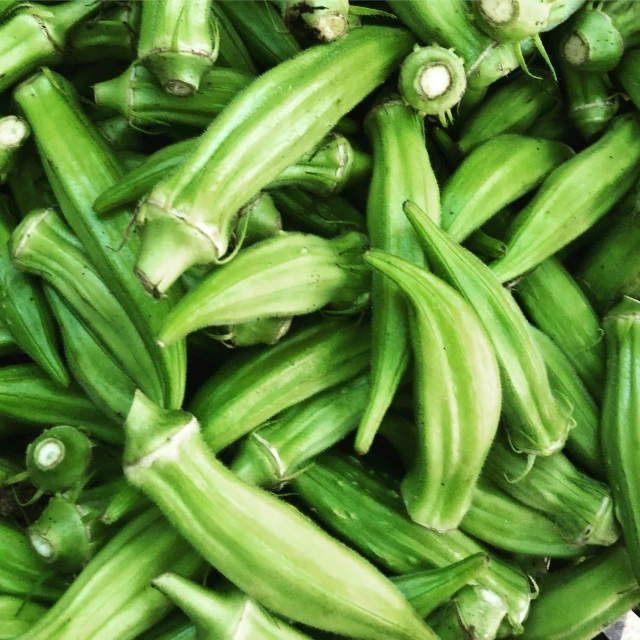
column 177, row 43
column 627, row 75
column 14, row 132
column 224, row 612
column 279, row 132
column 17, row 616
column 481, row 187
column 537, row 423
column 563, row 208
column 254, row 387
column 232, row 52
column 401, row 170
column 457, row 385
column 302, row 574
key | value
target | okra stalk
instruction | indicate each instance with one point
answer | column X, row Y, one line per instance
column 14, row 132
column 232, row 52
column 512, row 20
column 80, row 166
column 233, row 160
column 107, row 38
column 254, row 387
column 627, row 75
column 563, row 208
column 296, row 570
column 323, row 20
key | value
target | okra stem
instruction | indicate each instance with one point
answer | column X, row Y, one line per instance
column 14, row 132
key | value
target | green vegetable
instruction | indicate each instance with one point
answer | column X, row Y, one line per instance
column 17, row 616
column 627, row 74
column 14, row 132
column 232, row 51
column 106, row 38
column 323, row 20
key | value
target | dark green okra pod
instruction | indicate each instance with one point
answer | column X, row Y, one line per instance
column 120, row 135
column 401, row 170
column 628, row 74
column 174, row 217
column 232, row 51
column 109, row 37
column 302, row 574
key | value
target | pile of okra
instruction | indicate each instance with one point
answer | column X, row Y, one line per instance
column 319, row 320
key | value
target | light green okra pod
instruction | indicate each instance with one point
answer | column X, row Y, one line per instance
column 258, row 136
column 296, row 570
column 401, row 171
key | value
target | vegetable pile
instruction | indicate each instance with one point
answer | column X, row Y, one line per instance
column 319, row 320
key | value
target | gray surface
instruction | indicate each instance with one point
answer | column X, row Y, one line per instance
column 627, row 628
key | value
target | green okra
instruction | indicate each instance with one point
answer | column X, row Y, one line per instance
column 24, row 308
column 7, row 7
column 536, row 422
column 36, row 36
column 80, row 166
column 272, row 454
column 177, row 43
column 579, row 505
column 266, row 330
column 457, row 384
column 290, row 274
column 573, row 198
column 552, row 125
column 583, row 443
column 126, row 501
column 364, row 507
column 262, row 30
column 620, row 433
column 232, row 52
column 402, row 170
column 579, row 601
column 14, row 132
column 556, row 305
column 561, row 11
column 241, row 153
column 58, row 459
column 481, row 187
column 303, row 574
column 44, row 246
column 486, row 247
column 107, row 38
column 120, row 134
column 112, row 596
column 627, row 75
column 512, row 108
column 225, row 612
column 254, row 387
column 17, row 616
column 175, row 626
column 319, row 20
column 28, row 184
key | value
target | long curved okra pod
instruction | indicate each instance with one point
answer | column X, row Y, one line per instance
column 481, row 187
column 296, row 570
column 458, row 395
column 536, row 422
column 241, row 153
column 80, row 166
column 401, row 170
column 573, row 198
column 254, row 387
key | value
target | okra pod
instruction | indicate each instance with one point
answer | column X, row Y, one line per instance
column 232, row 52
column 553, row 300
column 512, row 20
column 254, row 387
column 14, row 132
column 401, row 170
column 225, row 612
column 107, row 38
column 486, row 247
column 120, row 134
column 553, row 125
column 561, row 11
column 536, row 422
column 573, row 198
column 80, row 166
column 17, row 616
column 173, row 627
column 29, row 186
column 321, row 20
column 267, row 330
column 8, row 344
column 480, row 187
column 627, row 75
column 233, row 161
column 579, row 601
column 445, row 332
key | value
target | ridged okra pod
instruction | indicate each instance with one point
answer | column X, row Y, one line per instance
column 537, row 422
column 80, row 166
column 481, row 187
column 232, row 51
column 620, row 432
column 272, row 454
column 14, row 132
column 43, row 246
column 224, row 612
column 24, row 308
column 177, row 43
column 112, row 596
column 579, row 601
column 627, row 75
column 241, row 153
column 17, row 616
column 364, row 507
column 579, row 505
column 573, row 198
column 401, row 171
column 136, row 95
column 254, row 387
column 556, row 305
column 458, row 394
column 296, row 570
column 36, row 36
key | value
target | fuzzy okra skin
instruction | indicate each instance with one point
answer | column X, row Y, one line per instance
column 536, row 422
column 401, row 170
column 481, row 187
column 573, row 198
column 254, row 387
column 458, row 394
column 296, row 569
column 80, row 166
column 260, row 134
